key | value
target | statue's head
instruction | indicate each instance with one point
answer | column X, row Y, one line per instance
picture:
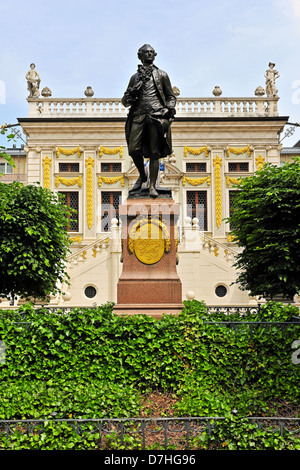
column 146, row 54
column 32, row 66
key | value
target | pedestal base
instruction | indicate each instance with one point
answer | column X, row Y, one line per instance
column 149, row 282
column 153, row 310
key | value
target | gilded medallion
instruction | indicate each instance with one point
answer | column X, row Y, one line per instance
column 149, row 239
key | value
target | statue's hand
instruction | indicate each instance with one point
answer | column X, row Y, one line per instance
column 172, row 112
column 164, row 112
column 168, row 113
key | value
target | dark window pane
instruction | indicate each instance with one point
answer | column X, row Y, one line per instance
column 197, row 166
column 197, row 207
column 71, row 199
column 110, row 201
column 111, row 167
column 105, row 167
column 74, row 167
column 63, row 167
column 235, row 166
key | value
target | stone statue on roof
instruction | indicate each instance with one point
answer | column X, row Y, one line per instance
column 271, row 75
column 33, row 82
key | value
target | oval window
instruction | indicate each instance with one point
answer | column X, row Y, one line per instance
column 221, row 291
column 90, row 292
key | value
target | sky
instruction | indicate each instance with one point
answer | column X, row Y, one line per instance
column 75, row 44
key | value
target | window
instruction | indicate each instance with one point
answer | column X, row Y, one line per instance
column 90, row 292
column 238, row 167
column 69, row 167
column 71, row 199
column 199, row 167
column 6, row 168
column 197, row 207
column 221, row 291
column 110, row 201
column 111, row 167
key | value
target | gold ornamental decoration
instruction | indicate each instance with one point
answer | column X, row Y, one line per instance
column 68, row 152
column 110, row 151
column 47, row 162
column 111, row 180
column 231, row 180
column 196, row 151
column 218, row 189
column 239, row 150
column 195, row 181
column 76, row 239
column 260, row 161
column 149, row 239
column 89, row 163
column 68, row 181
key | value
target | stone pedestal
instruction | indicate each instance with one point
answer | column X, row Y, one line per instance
column 149, row 282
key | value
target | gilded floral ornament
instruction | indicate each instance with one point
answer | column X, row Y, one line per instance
column 76, row 239
column 217, row 162
column 68, row 152
column 68, row 181
column 111, row 180
column 196, row 151
column 195, row 181
column 239, row 150
column 89, row 163
column 47, row 163
column 260, row 161
column 110, row 151
column 231, row 180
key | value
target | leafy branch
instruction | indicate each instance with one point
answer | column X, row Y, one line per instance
column 10, row 137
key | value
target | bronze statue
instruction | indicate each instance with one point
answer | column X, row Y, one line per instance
column 152, row 109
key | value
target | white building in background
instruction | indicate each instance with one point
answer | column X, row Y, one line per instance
column 77, row 146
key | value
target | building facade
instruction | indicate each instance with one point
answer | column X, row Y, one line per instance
column 77, row 147
column 9, row 173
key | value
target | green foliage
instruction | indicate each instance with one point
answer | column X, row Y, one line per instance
column 91, row 363
column 266, row 224
column 242, row 434
column 34, row 240
column 3, row 154
column 51, row 436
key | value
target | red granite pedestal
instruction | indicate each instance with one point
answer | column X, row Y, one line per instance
column 149, row 282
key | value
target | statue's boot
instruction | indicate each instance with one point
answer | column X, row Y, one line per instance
column 139, row 182
column 139, row 163
column 154, row 167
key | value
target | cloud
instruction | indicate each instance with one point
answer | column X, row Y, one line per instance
column 295, row 4
column 291, row 10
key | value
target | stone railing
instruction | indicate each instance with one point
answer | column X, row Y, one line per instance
column 88, row 252
column 111, row 240
column 186, row 107
column 193, row 239
column 218, row 249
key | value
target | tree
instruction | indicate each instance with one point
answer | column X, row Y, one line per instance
column 266, row 224
column 33, row 241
